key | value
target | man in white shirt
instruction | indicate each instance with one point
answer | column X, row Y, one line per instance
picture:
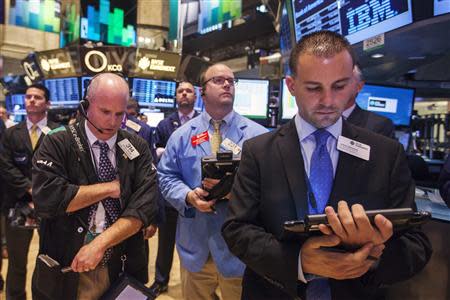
column 19, row 144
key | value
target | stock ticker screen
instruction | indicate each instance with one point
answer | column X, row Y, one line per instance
column 154, row 93
column 63, row 91
column 357, row 20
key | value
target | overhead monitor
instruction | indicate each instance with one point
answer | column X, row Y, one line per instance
column 251, row 98
column 288, row 104
column 356, row 20
column 396, row 103
column 40, row 15
column 109, row 21
column 213, row 13
column 154, row 93
column 63, row 91
column 441, row 7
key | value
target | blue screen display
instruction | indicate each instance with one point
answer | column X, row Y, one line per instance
column 63, row 91
column 199, row 105
column 154, row 93
column 15, row 104
column 441, row 7
column 392, row 102
column 357, row 20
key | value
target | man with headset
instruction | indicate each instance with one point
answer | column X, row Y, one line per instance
column 94, row 188
column 19, row 144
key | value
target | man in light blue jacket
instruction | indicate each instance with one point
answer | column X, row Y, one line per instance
column 206, row 262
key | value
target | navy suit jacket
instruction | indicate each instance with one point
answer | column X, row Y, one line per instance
column 270, row 187
column 372, row 121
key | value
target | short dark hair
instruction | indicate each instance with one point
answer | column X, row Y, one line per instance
column 41, row 87
column 322, row 43
column 132, row 103
column 182, row 81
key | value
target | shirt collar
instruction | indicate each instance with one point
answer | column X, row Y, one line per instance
column 228, row 118
column 41, row 124
column 92, row 139
column 348, row 111
column 189, row 115
column 304, row 129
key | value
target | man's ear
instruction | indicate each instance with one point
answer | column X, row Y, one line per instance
column 290, row 83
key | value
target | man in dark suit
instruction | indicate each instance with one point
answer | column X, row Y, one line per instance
column 309, row 166
column 364, row 118
column 185, row 97
column 19, row 144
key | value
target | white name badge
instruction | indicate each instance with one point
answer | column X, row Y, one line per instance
column 46, row 130
column 353, row 147
column 231, row 146
column 133, row 125
column 128, row 149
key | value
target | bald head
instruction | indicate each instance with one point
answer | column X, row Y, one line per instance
column 108, row 83
column 108, row 95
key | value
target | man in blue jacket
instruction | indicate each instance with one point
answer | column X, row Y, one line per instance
column 206, row 262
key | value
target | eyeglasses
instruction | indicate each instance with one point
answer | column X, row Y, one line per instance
column 37, row 97
column 218, row 80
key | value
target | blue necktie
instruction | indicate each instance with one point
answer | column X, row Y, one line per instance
column 106, row 173
column 321, row 180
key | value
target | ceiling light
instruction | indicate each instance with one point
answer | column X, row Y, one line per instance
column 377, row 55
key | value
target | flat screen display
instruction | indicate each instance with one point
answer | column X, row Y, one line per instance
column 15, row 104
column 217, row 12
column 70, row 22
column 84, row 83
column 199, row 105
column 392, row 102
column 40, row 15
column 288, row 104
column 64, row 91
column 251, row 98
column 109, row 21
column 357, row 20
column 441, row 7
column 154, row 93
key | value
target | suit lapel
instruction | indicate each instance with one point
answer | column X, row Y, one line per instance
column 25, row 135
column 346, row 169
column 289, row 148
column 121, row 158
column 358, row 117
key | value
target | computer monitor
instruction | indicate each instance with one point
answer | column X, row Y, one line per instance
column 154, row 93
column 251, row 98
column 441, row 7
column 199, row 105
column 15, row 105
column 396, row 103
column 63, row 91
column 288, row 104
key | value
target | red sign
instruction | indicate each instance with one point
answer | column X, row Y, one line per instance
column 199, row 138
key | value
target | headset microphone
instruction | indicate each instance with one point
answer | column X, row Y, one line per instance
column 84, row 103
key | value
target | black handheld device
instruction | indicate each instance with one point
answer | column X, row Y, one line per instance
column 222, row 166
column 401, row 218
